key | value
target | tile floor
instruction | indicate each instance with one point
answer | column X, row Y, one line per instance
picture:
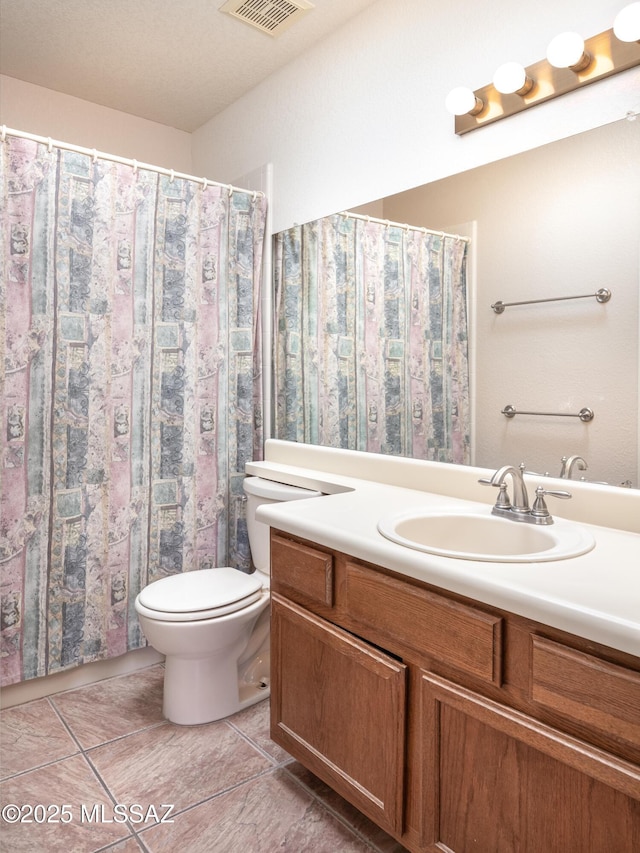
column 232, row 789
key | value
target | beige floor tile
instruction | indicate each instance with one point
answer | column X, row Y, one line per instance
column 114, row 707
column 382, row 840
column 69, row 782
column 254, row 723
column 129, row 845
column 266, row 814
column 177, row 765
column 32, row 735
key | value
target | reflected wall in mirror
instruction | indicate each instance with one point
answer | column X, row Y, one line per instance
column 560, row 220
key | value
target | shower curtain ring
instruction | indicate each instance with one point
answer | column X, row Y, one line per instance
column 205, row 183
column 49, row 145
column 4, row 132
column 230, row 190
column 172, row 176
column 135, row 167
column 95, row 156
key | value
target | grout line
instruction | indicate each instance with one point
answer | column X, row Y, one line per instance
column 64, row 722
column 253, row 743
column 111, row 796
column 267, row 772
column 40, row 766
column 115, row 739
column 138, row 834
column 336, row 814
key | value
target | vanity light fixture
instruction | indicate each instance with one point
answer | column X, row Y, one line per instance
column 463, row 101
column 567, row 51
column 571, row 63
column 511, row 79
column 626, row 26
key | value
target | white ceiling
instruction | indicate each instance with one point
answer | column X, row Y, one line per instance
column 177, row 62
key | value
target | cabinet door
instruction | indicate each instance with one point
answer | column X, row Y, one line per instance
column 496, row 780
column 338, row 706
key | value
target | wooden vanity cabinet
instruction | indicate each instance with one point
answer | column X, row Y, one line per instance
column 451, row 724
column 340, row 708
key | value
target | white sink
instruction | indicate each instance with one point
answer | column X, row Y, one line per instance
column 478, row 535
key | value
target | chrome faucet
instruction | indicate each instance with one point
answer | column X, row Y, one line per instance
column 568, row 464
column 519, row 510
column 520, row 502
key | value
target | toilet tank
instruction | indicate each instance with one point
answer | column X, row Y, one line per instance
column 260, row 491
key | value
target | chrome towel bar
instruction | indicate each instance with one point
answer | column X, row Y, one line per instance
column 584, row 414
column 602, row 295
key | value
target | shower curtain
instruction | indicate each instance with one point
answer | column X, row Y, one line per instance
column 371, row 339
column 130, row 397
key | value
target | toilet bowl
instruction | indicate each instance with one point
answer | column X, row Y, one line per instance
column 212, row 625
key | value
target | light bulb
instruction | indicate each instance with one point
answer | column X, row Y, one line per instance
column 567, row 51
column 462, row 101
column 626, row 25
column 511, row 78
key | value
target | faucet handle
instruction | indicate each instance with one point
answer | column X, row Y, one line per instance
column 502, row 501
column 539, row 509
column 553, row 493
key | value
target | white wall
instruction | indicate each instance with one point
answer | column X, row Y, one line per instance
column 561, row 220
column 40, row 111
column 362, row 115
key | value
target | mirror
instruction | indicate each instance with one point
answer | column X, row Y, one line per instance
column 558, row 221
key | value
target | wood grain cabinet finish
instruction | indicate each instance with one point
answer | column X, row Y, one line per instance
column 458, row 635
column 338, row 706
column 305, row 573
column 586, row 688
column 455, row 726
column 496, row 780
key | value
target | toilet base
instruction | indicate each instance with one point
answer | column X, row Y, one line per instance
column 214, row 667
column 198, row 691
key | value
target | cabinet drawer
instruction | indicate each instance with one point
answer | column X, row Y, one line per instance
column 454, row 633
column 303, row 573
column 586, row 688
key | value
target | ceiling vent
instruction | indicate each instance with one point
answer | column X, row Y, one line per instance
column 269, row 16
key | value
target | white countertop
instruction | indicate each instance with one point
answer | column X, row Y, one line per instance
column 595, row 595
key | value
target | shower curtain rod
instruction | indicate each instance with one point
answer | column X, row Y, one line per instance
column 349, row 215
column 91, row 152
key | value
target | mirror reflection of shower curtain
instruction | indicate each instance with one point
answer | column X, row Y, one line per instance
column 131, row 394
column 371, row 339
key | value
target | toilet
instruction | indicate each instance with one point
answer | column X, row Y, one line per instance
column 213, row 625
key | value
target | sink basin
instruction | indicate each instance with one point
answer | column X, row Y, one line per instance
column 468, row 535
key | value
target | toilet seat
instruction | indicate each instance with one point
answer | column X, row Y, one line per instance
column 201, row 594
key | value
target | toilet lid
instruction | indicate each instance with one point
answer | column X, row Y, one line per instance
column 224, row 590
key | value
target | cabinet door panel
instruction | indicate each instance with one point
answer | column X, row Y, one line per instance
column 498, row 781
column 338, row 706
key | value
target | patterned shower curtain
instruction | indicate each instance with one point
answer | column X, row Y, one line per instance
column 130, row 394
column 371, row 339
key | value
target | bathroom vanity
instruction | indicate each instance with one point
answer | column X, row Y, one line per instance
column 461, row 705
